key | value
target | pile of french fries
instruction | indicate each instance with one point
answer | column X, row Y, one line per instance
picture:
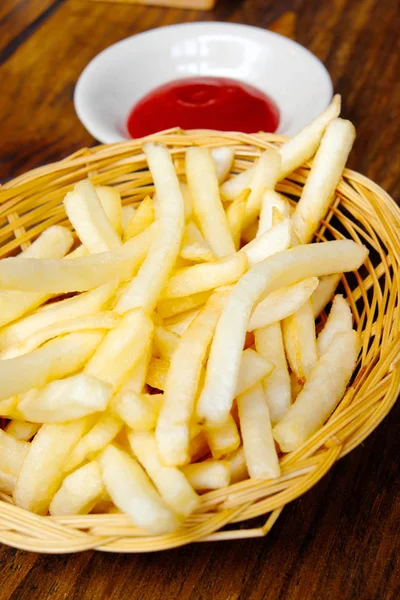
column 173, row 350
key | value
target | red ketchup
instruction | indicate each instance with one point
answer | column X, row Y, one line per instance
column 204, row 103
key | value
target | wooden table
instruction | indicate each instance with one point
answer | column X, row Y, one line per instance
column 341, row 540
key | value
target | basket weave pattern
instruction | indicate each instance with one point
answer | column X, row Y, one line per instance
column 361, row 211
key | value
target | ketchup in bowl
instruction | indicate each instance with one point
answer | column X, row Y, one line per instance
column 204, row 103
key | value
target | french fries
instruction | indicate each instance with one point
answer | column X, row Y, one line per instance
column 236, row 214
column 208, row 475
column 265, row 176
column 133, row 493
column 223, row 440
column 79, row 492
column 258, row 444
column 340, row 320
column 223, row 160
column 271, row 200
column 58, row 358
column 324, row 292
column 278, row 270
column 41, row 473
column 51, row 276
column 141, row 219
column 300, row 341
column 164, row 373
column 78, row 306
column 182, row 381
column 206, row 276
column 53, row 243
column 274, row 240
column 323, row 179
column 96, row 439
column 321, row 393
column 203, row 185
column 110, row 200
column 66, row 400
column 171, row 483
column 194, row 246
column 283, row 302
column 121, row 349
column 145, row 288
column 277, row 389
column 88, row 217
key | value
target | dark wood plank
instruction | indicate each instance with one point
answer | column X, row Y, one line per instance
column 19, row 19
column 341, row 539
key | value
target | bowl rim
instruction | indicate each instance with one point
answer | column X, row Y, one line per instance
column 83, row 110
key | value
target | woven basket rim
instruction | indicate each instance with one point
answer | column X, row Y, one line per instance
column 365, row 404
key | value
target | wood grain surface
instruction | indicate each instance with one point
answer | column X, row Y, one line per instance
column 341, row 540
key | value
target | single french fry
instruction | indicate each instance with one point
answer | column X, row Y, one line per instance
column 238, row 466
column 194, row 247
column 321, row 393
column 79, row 492
column 278, row 238
column 205, row 277
column 142, row 218
column 299, row 149
column 235, row 214
column 157, row 373
column 138, row 411
column 296, row 388
column 22, row 430
column 88, row 217
column 171, row 483
column 41, row 472
column 276, row 386
column 165, row 343
column 126, row 215
column 53, row 243
column 207, row 206
column 208, row 475
column 51, row 276
column 258, row 444
column 324, row 176
column 265, row 176
column 180, row 323
column 133, row 493
column 253, row 368
column 146, row 287
column 282, row 303
column 71, row 308
column 99, row 321
column 300, row 342
column 235, row 185
column 324, row 292
column 340, row 320
column 223, row 439
column 182, row 382
column 223, row 160
column 121, row 349
column 66, row 400
column 283, row 268
column 96, row 439
column 110, row 199
column 58, row 358
column 13, row 453
column 272, row 200
column 174, row 306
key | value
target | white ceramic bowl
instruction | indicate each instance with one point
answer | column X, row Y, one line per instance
column 123, row 73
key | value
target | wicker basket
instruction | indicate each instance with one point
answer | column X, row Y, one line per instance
column 361, row 211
